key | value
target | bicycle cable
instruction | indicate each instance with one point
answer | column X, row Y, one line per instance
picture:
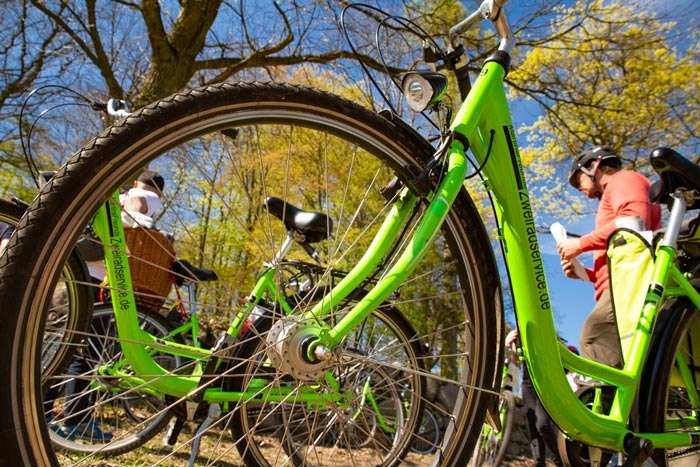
column 25, row 139
column 26, row 148
column 405, row 25
column 477, row 170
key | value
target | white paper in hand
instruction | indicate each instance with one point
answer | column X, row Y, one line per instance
column 559, row 233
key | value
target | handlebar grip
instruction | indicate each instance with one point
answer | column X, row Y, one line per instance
column 491, row 10
column 117, row 108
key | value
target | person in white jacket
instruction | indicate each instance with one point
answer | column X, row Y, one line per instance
column 142, row 201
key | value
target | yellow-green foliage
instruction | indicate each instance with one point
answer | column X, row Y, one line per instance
column 610, row 78
column 14, row 177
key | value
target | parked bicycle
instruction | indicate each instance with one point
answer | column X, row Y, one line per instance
column 68, row 402
column 309, row 382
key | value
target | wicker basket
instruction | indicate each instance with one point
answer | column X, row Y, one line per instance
column 151, row 255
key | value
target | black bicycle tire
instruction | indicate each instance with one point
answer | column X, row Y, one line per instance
column 508, row 426
column 135, row 439
column 508, row 422
column 428, row 445
column 248, row 352
column 669, row 333
column 11, row 211
column 113, row 158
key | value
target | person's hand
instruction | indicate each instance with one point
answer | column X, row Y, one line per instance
column 568, row 267
column 569, row 248
column 512, row 347
column 511, row 338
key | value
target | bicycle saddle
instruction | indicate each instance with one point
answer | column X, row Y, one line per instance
column 676, row 172
column 185, row 271
column 314, row 226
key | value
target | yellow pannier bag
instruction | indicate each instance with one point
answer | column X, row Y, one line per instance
column 630, row 267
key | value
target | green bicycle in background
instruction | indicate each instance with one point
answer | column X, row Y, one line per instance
column 339, row 375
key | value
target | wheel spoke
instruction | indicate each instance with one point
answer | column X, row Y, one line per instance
column 416, row 371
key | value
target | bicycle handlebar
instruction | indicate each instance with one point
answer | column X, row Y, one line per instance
column 489, row 9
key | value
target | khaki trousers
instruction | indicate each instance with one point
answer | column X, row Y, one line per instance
column 600, row 340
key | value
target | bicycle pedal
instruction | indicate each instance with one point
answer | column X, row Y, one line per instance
column 173, row 432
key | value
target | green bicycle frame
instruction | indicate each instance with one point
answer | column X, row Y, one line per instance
column 504, row 177
column 138, row 345
column 484, row 121
column 546, row 358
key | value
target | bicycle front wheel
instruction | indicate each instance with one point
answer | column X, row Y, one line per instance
column 666, row 402
column 223, row 150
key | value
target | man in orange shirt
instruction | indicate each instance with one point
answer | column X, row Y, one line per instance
column 597, row 174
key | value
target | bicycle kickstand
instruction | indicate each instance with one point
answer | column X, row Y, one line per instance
column 213, row 415
column 173, row 432
column 640, row 453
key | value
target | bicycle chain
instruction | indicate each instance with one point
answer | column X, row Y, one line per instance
column 684, row 452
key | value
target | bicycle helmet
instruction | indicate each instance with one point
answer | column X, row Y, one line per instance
column 583, row 160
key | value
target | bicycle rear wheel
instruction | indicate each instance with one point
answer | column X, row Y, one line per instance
column 664, row 401
column 223, row 150
column 381, row 374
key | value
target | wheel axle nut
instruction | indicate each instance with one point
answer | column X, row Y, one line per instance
column 322, row 353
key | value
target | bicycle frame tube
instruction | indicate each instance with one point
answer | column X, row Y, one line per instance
column 484, row 119
column 137, row 344
column 399, row 211
column 415, row 250
column 546, row 358
column 665, row 272
column 133, row 340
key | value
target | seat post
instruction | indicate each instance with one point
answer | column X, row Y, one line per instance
column 678, row 209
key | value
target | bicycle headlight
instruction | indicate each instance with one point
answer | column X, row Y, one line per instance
column 423, row 89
